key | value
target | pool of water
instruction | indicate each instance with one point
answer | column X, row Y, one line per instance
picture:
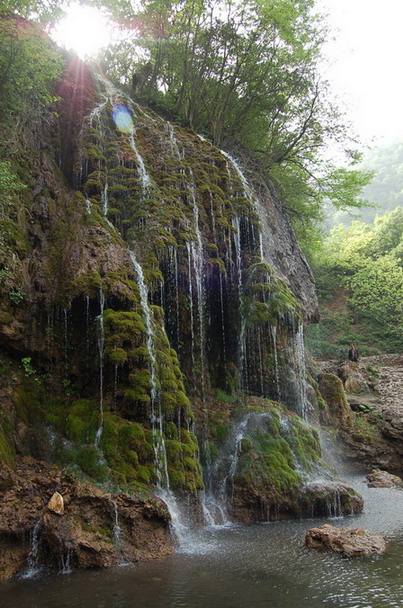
column 265, row 565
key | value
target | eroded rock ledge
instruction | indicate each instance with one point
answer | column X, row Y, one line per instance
column 96, row 529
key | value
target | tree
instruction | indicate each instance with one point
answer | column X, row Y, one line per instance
column 45, row 11
column 245, row 74
column 29, row 65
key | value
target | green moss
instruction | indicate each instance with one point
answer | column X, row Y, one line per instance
column 76, row 429
column 223, row 396
column 171, row 430
column 89, row 459
column 88, row 284
column 168, row 401
column 221, row 432
column 177, row 477
column 118, row 356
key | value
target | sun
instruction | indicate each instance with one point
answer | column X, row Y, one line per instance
column 84, row 29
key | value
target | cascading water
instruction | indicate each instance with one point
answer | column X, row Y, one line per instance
column 101, row 345
column 33, row 567
column 161, row 462
column 301, row 370
column 159, row 449
column 273, row 329
column 124, row 122
column 196, row 255
column 145, row 179
column 243, row 375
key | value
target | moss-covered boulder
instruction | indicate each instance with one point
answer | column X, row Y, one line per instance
column 338, row 410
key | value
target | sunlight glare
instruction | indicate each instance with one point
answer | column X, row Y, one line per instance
column 84, row 30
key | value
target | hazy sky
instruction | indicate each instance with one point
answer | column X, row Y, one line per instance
column 366, row 64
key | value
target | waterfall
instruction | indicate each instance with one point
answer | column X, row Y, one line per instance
column 224, row 349
column 97, row 111
column 149, row 331
column 196, row 255
column 215, row 501
column 189, row 252
column 145, row 179
column 242, row 356
column 33, row 567
column 117, row 534
column 273, row 329
column 88, row 206
column 173, row 141
column 65, row 562
column 101, row 344
column 301, row 371
column 160, row 455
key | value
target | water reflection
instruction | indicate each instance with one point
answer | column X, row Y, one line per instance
column 264, row 566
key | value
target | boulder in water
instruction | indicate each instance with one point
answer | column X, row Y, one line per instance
column 350, row 542
column 383, row 479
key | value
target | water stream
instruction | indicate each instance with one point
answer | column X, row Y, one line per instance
column 101, row 345
column 264, row 566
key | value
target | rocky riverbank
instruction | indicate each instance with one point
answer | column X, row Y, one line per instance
column 373, row 391
column 96, row 528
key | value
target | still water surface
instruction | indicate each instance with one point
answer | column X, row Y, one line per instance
column 260, row 566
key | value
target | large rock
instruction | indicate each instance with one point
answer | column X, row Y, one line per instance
column 330, row 499
column 383, row 479
column 350, row 542
column 95, row 528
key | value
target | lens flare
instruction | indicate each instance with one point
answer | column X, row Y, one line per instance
column 122, row 118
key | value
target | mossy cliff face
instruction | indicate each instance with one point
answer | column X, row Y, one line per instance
column 146, row 277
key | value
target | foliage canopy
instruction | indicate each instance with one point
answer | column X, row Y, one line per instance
column 365, row 262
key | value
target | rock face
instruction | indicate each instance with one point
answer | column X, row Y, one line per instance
column 96, row 529
column 140, row 282
column 350, row 542
column 383, row 479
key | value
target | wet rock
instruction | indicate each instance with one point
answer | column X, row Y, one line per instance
column 383, row 479
column 330, row 499
column 350, row 542
column 96, row 530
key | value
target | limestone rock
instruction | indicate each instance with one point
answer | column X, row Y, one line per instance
column 350, row 542
column 56, row 504
column 383, row 479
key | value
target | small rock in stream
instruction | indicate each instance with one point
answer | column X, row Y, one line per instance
column 350, row 542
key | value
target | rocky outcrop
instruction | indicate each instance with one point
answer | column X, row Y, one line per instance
column 349, row 542
column 95, row 528
column 383, row 479
column 330, row 499
column 368, row 394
